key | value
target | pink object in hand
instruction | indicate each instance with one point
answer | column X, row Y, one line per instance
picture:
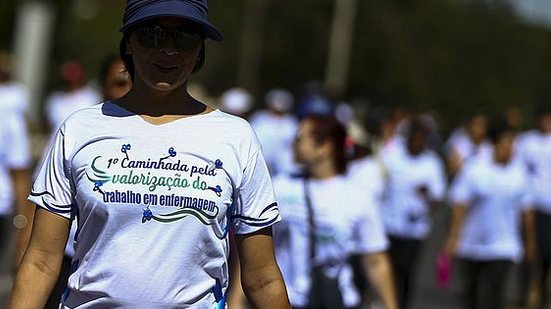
column 444, row 270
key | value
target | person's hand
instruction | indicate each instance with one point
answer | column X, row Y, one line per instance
column 423, row 191
column 450, row 247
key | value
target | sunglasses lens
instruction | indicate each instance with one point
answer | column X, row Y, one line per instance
column 147, row 36
column 185, row 40
column 152, row 36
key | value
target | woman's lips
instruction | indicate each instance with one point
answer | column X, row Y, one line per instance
column 165, row 68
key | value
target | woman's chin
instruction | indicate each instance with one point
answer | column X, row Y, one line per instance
column 164, row 86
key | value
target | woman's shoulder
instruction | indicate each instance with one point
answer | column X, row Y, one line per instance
column 231, row 124
column 85, row 112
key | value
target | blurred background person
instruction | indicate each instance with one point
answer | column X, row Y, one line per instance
column 327, row 219
column 76, row 95
column 276, row 128
column 113, row 78
column 239, row 102
column 315, row 101
column 114, row 83
column 416, row 182
column 514, row 116
column 13, row 94
column 236, row 101
column 467, row 142
column 534, row 150
column 15, row 162
column 491, row 200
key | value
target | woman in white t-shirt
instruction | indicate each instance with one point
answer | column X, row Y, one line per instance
column 327, row 219
column 156, row 180
column 467, row 142
column 15, row 160
column 415, row 183
column 491, row 198
column 534, row 150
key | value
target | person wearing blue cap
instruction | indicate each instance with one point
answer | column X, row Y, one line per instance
column 155, row 179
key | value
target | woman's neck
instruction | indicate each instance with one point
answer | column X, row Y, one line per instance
column 322, row 170
column 144, row 101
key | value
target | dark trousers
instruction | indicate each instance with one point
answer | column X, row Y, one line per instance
column 539, row 270
column 324, row 292
column 543, row 230
column 485, row 283
column 403, row 255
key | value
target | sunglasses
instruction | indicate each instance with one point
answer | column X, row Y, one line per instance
column 153, row 36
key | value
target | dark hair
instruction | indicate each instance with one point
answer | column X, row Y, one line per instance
column 329, row 129
column 129, row 63
column 418, row 126
column 498, row 130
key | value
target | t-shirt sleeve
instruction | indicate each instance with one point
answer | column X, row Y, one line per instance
column 370, row 232
column 460, row 189
column 18, row 156
column 256, row 206
column 527, row 197
column 52, row 185
column 437, row 184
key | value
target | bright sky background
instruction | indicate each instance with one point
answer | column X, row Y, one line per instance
column 538, row 11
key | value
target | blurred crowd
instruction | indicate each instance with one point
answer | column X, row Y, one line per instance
column 393, row 168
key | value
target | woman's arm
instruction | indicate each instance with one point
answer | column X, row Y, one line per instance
column 529, row 227
column 260, row 276
column 379, row 272
column 458, row 216
column 41, row 263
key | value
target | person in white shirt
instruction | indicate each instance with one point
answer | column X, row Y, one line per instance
column 276, row 128
column 491, row 198
column 60, row 104
column 155, row 180
column 15, row 161
column 534, row 150
column 416, row 182
column 467, row 142
column 236, row 101
column 327, row 219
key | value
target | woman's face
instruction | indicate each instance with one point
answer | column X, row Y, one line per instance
column 165, row 51
column 503, row 148
column 477, row 128
column 417, row 142
column 305, row 147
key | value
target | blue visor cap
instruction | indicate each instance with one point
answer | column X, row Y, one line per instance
column 138, row 11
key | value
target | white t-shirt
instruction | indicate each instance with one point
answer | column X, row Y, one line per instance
column 276, row 134
column 496, row 195
column 14, row 141
column 461, row 144
column 154, row 204
column 346, row 220
column 534, row 149
column 405, row 211
column 14, row 96
column 61, row 104
column 369, row 173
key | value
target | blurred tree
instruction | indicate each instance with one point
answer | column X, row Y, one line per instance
column 252, row 38
column 447, row 55
column 7, row 15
